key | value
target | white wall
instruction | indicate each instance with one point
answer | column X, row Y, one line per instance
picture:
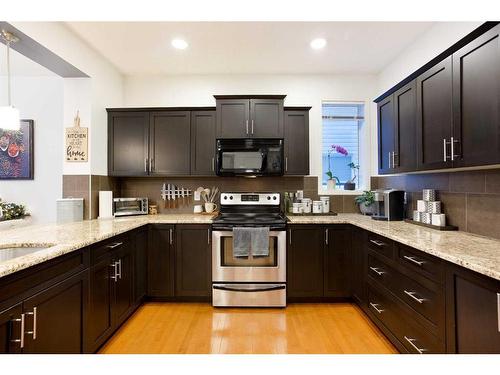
column 106, row 81
column 39, row 99
column 301, row 90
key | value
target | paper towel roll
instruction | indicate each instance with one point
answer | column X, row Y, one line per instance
column 105, row 204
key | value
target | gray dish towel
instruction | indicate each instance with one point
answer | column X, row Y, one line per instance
column 260, row 241
column 242, row 238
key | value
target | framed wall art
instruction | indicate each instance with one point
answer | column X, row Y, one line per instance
column 16, row 152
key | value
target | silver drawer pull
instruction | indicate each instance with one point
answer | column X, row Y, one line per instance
column 20, row 340
column 377, row 271
column 410, row 341
column 115, row 271
column 378, row 243
column 119, row 267
column 374, row 305
column 412, row 295
column 116, row 244
column 34, row 323
column 413, row 260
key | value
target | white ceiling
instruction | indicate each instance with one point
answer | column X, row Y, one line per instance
column 143, row 48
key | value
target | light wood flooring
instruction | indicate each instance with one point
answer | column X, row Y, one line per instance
column 199, row 328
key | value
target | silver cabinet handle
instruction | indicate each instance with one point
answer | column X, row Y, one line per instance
column 498, row 310
column 394, row 155
column 445, row 158
column 115, row 271
column 146, row 165
column 171, row 236
column 247, row 126
column 413, row 260
column 375, row 307
column 213, row 164
column 419, row 350
column 412, row 295
column 286, row 164
column 208, row 236
column 452, row 142
column 119, row 273
column 377, row 271
column 151, row 165
column 390, row 160
column 116, row 244
column 326, row 236
column 20, row 340
column 378, row 243
column 252, row 126
column 34, row 323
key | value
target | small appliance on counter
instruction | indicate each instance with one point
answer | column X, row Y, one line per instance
column 130, row 206
column 105, row 204
column 389, row 205
column 69, row 210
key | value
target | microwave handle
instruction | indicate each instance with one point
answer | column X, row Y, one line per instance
column 264, row 160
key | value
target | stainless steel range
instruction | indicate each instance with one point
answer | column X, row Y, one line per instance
column 249, row 280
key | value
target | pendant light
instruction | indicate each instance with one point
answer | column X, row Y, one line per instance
column 9, row 116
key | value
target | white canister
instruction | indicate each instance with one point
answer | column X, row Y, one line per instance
column 417, row 216
column 317, row 207
column 422, row 206
column 297, row 208
column 326, row 204
column 434, row 207
column 439, row 220
column 300, row 194
column 307, row 205
column 429, row 195
column 426, row 217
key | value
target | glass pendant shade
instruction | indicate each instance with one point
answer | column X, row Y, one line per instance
column 9, row 118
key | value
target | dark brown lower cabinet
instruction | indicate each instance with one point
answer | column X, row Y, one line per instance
column 357, row 266
column 336, row 267
column 473, row 321
column 123, row 285
column 140, row 240
column 10, row 329
column 193, row 261
column 161, row 258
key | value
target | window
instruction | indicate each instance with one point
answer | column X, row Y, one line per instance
column 341, row 123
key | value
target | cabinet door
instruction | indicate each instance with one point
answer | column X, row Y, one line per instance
column 305, row 261
column 128, row 134
column 170, row 143
column 193, row 261
column 336, row 270
column 233, row 118
column 476, row 101
column 203, row 143
column 100, row 324
column 140, row 262
column 266, row 118
column 56, row 317
column 11, row 330
column 297, row 142
column 161, row 261
column 385, row 118
column 434, row 117
column 357, row 269
column 123, row 300
column 476, row 301
column 405, row 115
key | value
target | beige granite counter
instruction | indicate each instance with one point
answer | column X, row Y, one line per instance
column 480, row 254
column 474, row 252
column 61, row 239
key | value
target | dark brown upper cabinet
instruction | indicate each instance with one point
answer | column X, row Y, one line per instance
column 128, row 143
column 476, row 101
column 170, row 143
column 203, row 143
column 297, row 141
column 404, row 156
column 386, row 136
column 435, row 117
column 250, row 116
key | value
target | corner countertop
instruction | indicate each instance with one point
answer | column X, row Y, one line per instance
column 477, row 253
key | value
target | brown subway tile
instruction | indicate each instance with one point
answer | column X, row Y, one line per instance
column 437, row 181
column 492, row 181
column 348, row 205
column 483, row 214
column 336, row 203
column 467, row 182
column 454, row 206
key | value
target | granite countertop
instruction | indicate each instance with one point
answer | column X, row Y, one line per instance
column 480, row 254
column 477, row 253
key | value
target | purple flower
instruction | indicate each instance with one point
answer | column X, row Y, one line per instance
column 340, row 150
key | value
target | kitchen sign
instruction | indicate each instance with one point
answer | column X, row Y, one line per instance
column 77, row 142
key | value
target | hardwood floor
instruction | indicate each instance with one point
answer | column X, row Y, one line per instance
column 198, row 328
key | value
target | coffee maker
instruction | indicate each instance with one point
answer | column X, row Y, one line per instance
column 389, row 204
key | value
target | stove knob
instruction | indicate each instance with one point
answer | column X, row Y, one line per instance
column 274, row 198
column 225, row 197
column 268, row 198
column 231, row 197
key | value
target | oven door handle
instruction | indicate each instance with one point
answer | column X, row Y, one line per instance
column 264, row 288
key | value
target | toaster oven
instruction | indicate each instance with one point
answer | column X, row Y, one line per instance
column 130, row 206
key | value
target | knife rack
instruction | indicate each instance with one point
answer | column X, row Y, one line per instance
column 174, row 196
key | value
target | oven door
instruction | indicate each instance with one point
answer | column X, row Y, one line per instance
column 227, row 268
column 249, row 157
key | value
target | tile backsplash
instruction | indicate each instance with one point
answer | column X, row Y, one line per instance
column 471, row 199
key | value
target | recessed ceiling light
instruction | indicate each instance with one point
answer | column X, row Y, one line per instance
column 179, row 43
column 318, row 43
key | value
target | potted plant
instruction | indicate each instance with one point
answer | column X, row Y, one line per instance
column 366, row 202
column 12, row 214
column 334, row 180
column 351, row 185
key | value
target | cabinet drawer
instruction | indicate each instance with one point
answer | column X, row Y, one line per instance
column 420, row 262
column 380, row 271
column 396, row 318
column 381, row 245
column 101, row 249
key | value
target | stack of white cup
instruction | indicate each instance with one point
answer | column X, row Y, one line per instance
column 429, row 209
